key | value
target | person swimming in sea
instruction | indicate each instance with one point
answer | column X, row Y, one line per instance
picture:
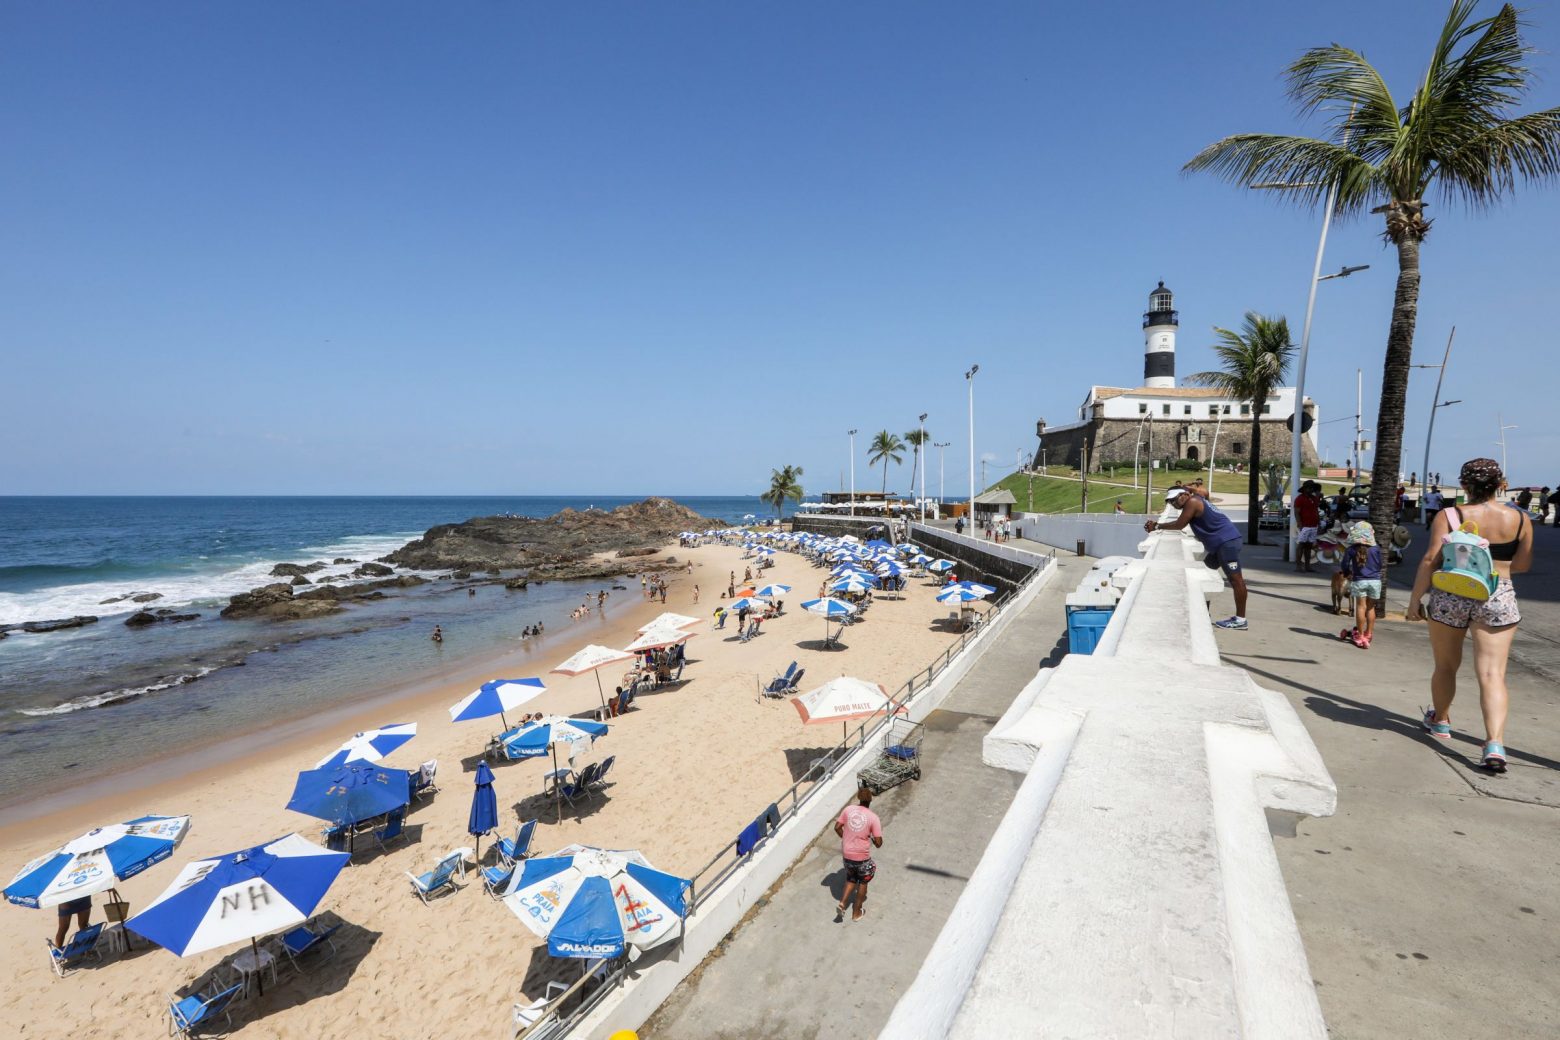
column 438, row 634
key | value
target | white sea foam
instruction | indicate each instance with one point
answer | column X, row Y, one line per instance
column 179, row 590
column 98, row 700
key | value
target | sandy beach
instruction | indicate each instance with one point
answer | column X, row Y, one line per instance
column 695, row 763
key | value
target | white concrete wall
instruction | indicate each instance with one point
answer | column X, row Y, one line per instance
column 1103, row 534
column 1131, row 889
column 1125, row 406
column 631, row 1004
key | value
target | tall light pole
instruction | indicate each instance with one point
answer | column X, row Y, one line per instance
column 1213, row 449
column 1148, row 475
column 1137, row 446
column 969, row 377
column 942, row 472
column 922, row 453
column 1305, row 348
column 1503, row 428
column 852, row 434
column 1435, row 405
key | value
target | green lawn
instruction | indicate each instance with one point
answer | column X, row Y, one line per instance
column 1060, row 491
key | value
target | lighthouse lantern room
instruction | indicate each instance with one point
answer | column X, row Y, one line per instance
column 1159, row 325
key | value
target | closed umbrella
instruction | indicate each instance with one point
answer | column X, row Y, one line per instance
column 214, row 902
column 484, row 808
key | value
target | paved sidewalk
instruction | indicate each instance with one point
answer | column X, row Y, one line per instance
column 1429, row 903
column 789, row 972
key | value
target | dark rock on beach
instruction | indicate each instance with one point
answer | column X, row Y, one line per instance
column 343, row 559
column 142, row 618
column 280, row 601
column 296, row 570
column 132, row 597
column 373, row 570
column 564, row 545
column 299, row 579
column 517, row 583
column 57, row 624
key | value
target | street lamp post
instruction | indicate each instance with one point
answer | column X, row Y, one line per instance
column 1435, row 404
column 969, row 377
column 852, row 434
column 1148, row 472
column 1213, row 449
column 1137, row 446
column 942, row 472
column 1502, row 442
column 922, row 453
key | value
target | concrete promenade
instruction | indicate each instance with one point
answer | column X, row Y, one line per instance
column 1429, row 903
column 789, row 972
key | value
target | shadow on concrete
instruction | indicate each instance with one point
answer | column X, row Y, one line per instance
column 801, row 760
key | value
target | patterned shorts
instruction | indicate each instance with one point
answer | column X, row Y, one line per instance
column 860, row 871
column 1499, row 611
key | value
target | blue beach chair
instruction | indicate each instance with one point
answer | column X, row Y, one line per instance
column 581, row 784
column 436, row 880
column 302, row 940
column 778, row 684
column 495, row 879
column 395, row 827
column 513, row 851
column 81, row 946
column 600, row 782
column 193, row 1013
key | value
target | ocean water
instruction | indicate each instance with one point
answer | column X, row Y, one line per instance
column 81, row 702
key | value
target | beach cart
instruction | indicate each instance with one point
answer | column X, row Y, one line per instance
column 898, row 761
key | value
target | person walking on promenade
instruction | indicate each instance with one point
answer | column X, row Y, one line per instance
column 1308, row 514
column 860, row 832
column 1220, row 539
column 1493, row 621
column 1433, row 504
column 1362, row 565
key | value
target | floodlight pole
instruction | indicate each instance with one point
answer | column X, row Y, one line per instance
column 1436, row 404
column 942, row 472
column 969, row 377
column 921, row 446
column 852, row 434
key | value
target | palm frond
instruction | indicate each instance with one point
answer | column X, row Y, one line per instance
column 1339, row 78
column 1308, row 164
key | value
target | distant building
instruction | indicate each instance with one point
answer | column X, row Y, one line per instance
column 1162, row 421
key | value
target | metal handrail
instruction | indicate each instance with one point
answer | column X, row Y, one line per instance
column 700, row 891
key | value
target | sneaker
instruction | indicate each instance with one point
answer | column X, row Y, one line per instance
column 1360, row 641
column 1238, row 624
column 1438, row 730
column 1494, row 758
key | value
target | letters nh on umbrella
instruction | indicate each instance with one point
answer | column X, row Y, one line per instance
column 258, row 894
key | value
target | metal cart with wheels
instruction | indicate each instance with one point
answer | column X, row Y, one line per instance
column 898, row 761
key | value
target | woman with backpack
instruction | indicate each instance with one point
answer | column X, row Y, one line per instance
column 1474, row 551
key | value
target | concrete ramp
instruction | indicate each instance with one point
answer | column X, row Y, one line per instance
column 1132, row 888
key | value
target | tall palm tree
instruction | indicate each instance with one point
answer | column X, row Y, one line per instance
column 916, row 438
column 1455, row 135
column 885, row 448
column 1255, row 361
column 783, row 484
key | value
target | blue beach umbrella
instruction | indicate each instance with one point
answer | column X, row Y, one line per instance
column 593, row 903
column 852, row 583
column 484, row 808
column 93, row 862
column 540, row 738
column 958, row 594
column 495, row 698
column 975, row 586
column 746, row 603
column 941, row 566
column 772, row 591
column 349, row 793
column 370, row 745
column 214, row 902
column 830, row 609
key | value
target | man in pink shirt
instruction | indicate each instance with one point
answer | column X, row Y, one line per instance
column 860, row 832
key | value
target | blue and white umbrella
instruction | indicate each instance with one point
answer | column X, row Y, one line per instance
column 959, row 594
column 214, row 902
column 534, row 740
column 593, row 903
column 772, row 591
column 350, row 793
column 93, row 862
column 495, row 698
column 852, row 583
column 890, row 569
column 975, row 586
column 941, row 566
column 371, row 745
column 746, row 603
column 830, row 609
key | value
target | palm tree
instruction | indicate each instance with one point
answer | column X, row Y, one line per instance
column 1455, row 135
column 916, row 438
column 1255, row 361
column 783, row 484
column 885, row 448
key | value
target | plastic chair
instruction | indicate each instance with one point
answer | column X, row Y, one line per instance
column 188, row 1014
column 513, row 851
column 303, row 939
column 496, row 879
column 81, row 946
column 436, row 880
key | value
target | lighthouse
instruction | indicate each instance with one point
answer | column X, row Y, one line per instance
column 1159, row 325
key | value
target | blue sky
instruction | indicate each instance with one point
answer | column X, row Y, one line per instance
column 612, row 247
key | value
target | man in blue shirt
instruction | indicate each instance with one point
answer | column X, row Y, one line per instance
column 1220, row 539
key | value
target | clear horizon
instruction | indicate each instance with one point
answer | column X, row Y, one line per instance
column 301, row 246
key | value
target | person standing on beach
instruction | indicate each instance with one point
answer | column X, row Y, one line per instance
column 663, row 592
column 1221, row 544
column 696, row 594
column 860, row 832
column 80, row 909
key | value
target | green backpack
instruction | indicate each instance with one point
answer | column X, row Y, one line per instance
column 1467, row 569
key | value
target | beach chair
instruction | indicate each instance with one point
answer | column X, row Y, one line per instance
column 436, row 880
column 778, row 684
column 496, row 879
column 301, row 940
column 422, row 781
column 527, row 1015
column 512, row 852
column 581, row 784
column 195, row 1013
column 81, row 946
column 395, row 827
column 796, row 681
column 600, row 782
column 335, row 838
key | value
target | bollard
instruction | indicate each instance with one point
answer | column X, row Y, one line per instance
column 1080, row 547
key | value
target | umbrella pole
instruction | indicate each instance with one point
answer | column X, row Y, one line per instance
column 557, row 782
column 254, row 948
column 600, row 692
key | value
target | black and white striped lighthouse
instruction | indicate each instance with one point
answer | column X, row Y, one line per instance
column 1159, row 325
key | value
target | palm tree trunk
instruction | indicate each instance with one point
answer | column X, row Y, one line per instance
column 913, row 460
column 1253, row 478
column 1394, row 382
